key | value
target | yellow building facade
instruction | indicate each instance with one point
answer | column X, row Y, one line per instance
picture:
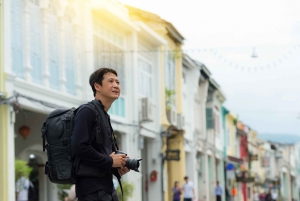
column 175, row 170
column 229, row 120
column 4, row 192
column 170, row 56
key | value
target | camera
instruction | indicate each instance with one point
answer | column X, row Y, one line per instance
column 131, row 163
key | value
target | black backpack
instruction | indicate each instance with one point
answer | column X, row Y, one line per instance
column 57, row 131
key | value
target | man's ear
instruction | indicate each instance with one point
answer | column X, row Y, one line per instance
column 97, row 86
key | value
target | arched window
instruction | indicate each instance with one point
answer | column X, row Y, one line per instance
column 69, row 53
column 53, row 47
column 17, row 37
column 35, row 41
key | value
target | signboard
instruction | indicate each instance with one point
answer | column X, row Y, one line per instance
column 265, row 162
column 172, row 155
column 245, row 179
column 276, row 183
column 253, row 157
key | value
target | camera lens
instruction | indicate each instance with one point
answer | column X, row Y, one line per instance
column 133, row 164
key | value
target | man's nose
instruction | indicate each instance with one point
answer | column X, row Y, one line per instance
column 115, row 85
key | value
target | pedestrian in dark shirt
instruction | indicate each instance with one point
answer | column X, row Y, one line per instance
column 218, row 192
column 176, row 191
column 93, row 153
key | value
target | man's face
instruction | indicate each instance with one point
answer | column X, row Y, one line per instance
column 110, row 88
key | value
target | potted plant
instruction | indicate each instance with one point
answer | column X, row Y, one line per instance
column 127, row 190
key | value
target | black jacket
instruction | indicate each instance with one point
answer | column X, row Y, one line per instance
column 85, row 147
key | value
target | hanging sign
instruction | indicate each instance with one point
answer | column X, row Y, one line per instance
column 172, row 155
column 253, row 157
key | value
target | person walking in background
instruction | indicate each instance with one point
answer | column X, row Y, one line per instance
column 218, row 192
column 255, row 196
column 176, row 191
column 274, row 195
column 228, row 197
column 268, row 196
column 23, row 186
column 188, row 190
column 262, row 196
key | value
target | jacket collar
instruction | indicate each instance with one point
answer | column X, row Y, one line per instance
column 99, row 101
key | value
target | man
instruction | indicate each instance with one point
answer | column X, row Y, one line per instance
column 24, row 189
column 274, row 195
column 218, row 192
column 188, row 190
column 87, row 147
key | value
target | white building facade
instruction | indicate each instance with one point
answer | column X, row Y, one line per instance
column 52, row 48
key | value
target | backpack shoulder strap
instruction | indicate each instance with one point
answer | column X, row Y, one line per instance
column 97, row 121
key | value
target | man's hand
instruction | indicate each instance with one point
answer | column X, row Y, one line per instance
column 119, row 160
column 123, row 170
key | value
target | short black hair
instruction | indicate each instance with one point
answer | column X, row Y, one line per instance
column 186, row 177
column 98, row 76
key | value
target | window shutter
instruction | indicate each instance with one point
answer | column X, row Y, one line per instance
column 209, row 118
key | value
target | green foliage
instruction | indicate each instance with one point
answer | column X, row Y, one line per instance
column 21, row 169
column 169, row 93
column 235, row 121
column 127, row 190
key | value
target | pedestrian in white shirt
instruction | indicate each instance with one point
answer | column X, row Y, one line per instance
column 188, row 190
column 22, row 187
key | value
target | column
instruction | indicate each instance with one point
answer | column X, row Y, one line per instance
column 62, row 49
column 45, row 49
column 78, row 59
column 87, row 48
column 207, row 194
column 27, row 62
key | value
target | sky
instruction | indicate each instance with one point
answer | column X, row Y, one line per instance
column 263, row 91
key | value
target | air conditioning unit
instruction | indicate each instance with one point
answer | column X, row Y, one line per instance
column 146, row 110
column 180, row 121
column 172, row 116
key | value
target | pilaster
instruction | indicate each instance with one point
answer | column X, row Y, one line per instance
column 78, row 59
column 27, row 62
column 62, row 63
column 45, row 42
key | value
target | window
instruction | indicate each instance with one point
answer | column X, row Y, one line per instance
column 228, row 136
column 209, row 118
column 53, row 49
column 118, row 108
column 170, row 71
column 145, row 78
column 35, row 42
column 109, row 52
column 69, row 55
column 216, row 123
column 17, row 37
column 184, row 78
